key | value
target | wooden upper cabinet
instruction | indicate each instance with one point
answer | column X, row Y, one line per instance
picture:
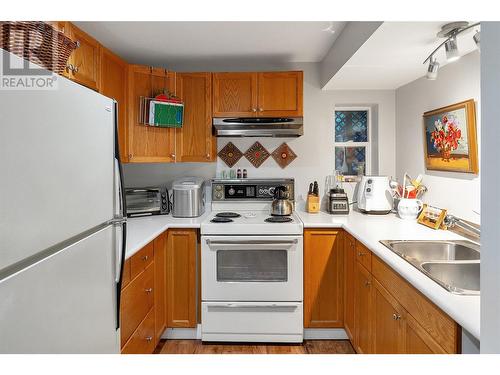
column 323, row 279
column 388, row 324
column 363, row 310
column 113, row 84
column 235, row 94
column 84, row 63
column 350, row 273
column 280, row 94
column 265, row 94
column 181, row 278
column 195, row 141
column 148, row 143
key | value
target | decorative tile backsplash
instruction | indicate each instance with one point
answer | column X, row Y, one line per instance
column 230, row 154
column 284, row 155
column 257, row 154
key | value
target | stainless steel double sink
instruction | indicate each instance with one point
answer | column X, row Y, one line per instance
column 452, row 264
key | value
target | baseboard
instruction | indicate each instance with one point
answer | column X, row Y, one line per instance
column 309, row 333
column 325, row 334
column 182, row 333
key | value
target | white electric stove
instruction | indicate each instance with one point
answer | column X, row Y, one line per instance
column 251, row 265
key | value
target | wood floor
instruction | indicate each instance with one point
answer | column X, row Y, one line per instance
column 307, row 347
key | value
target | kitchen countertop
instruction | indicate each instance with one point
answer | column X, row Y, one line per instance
column 370, row 229
column 142, row 230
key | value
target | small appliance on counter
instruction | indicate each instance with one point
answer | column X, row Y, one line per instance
column 374, row 195
column 143, row 201
column 281, row 205
column 188, row 197
column 338, row 202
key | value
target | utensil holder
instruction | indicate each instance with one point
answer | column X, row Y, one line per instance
column 312, row 204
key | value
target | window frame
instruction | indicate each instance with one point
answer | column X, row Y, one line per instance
column 367, row 144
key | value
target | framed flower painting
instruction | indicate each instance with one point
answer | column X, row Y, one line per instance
column 451, row 139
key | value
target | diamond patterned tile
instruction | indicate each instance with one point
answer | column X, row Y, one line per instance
column 284, row 155
column 230, row 154
column 257, row 154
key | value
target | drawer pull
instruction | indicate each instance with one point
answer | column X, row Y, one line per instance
column 368, row 283
column 396, row 317
column 361, row 254
column 148, row 290
column 149, row 338
column 145, row 258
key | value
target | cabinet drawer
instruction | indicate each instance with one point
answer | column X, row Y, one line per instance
column 137, row 300
column 433, row 320
column 140, row 260
column 142, row 340
column 126, row 274
column 364, row 256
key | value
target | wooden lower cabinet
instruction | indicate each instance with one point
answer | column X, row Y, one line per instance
column 363, row 311
column 323, row 279
column 160, row 261
column 388, row 322
column 142, row 340
column 418, row 341
column 181, row 278
column 349, row 282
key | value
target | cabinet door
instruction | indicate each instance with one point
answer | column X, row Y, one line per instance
column 418, row 341
column 363, row 310
column 349, row 282
column 113, row 84
column 323, row 279
column 195, row 142
column 160, row 255
column 85, row 59
column 181, row 278
column 235, row 94
column 388, row 322
column 280, row 94
column 148, row 143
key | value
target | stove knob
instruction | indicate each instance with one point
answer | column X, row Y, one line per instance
column 231, row 191
column 218, row 187
column 271, row 191
column 218, row 195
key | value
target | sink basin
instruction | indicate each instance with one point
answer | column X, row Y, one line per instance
column 435, row 250
column 452, row 264
column 457, row 277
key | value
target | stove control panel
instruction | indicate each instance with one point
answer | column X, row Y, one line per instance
column 248, row 189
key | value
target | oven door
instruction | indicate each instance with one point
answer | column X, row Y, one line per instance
column 252, row 268
column 142, row 201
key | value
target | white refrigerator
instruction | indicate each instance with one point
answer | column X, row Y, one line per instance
column 62, row 221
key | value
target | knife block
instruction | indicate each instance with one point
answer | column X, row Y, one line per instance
column 312, row 204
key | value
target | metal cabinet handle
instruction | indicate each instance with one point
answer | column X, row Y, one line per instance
column 70, row 67
column 208, row 156
column 149, row 338
column 75, row 69
column 77, row 43
column 145, row 258
column 396, row 316
column 261, row 110
column 254, row 109
column 368, row 283
column 148, row 290
column 172, row 156
column 361, row 254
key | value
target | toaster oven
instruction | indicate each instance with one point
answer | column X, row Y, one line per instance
column 147, row 201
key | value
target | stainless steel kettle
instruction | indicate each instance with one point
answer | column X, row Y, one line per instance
column 281, row 205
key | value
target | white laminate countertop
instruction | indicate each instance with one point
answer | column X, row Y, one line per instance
column 142, row 230
column 370, row 229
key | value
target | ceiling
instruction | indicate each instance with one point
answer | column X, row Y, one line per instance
column 174, row 42
column 393, row 56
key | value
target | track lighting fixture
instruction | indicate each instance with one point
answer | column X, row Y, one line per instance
column 432, row 70
column 450, row 32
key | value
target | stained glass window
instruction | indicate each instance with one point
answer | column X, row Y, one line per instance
column 351, row 140
column 351, row 126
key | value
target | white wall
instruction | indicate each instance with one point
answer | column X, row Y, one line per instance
column 314, row 149
column 490, row 235
column 459, row 81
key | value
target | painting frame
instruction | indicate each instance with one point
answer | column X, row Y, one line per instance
column 445, row 160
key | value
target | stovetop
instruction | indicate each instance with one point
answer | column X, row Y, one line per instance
column 227, row 222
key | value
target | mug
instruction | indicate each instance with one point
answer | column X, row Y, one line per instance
column 409, row 209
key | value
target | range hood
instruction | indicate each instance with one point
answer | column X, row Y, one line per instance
column 258, row 127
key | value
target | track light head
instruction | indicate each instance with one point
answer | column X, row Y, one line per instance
column 477, row 39
column 432, row 70
column 451, row 48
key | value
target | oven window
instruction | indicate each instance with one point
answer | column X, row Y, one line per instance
column 252, row 265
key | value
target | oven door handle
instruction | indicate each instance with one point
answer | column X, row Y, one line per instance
column 254, row 242
column 239, row 306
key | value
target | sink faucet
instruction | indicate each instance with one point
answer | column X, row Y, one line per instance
column 452, row 221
